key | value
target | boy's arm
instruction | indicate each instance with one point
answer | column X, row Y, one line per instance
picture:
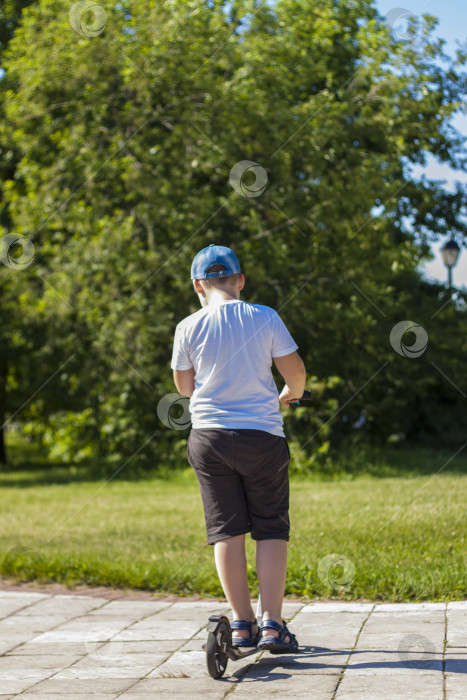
column 185, row 381
column 293, row 371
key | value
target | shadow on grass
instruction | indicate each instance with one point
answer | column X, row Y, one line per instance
column 386, row 462
column 29, row 465
column 28, row 469
column 38, row 474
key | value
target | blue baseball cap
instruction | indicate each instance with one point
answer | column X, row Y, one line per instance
column 214, row 255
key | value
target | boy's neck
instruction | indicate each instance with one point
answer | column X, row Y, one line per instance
column 216, row 296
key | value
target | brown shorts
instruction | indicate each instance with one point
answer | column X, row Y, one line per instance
column 244, row 480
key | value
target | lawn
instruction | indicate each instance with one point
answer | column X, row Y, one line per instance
column 396, row 538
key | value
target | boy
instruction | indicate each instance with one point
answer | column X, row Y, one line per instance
column 222, row 359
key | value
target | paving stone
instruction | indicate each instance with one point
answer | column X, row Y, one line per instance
column 93, row 601
column 162, row 629
column 123, row 661
column 12, row 601
column 207, row 606
column 85, row 687
column 337, row 607
column 69, row 695
column 457, row 626
column 284, row 684
column 408, row 607
column 172, row 696
column 33, row 623
column 135, row 609
column 83, row 630
column 202, row 634
column 66, row 606
column 457, row 605
column 16, row 686
column 150, row 647
column 32, row 648
column 97, row 620
column 114, row 667
column 12, row 640
column 387, row 630
column 456, row 687
column 184, row 614
column 290, row 609
column 13, row 664
column 183, row 663
column 179, row 688
column 28, row 597
column 403, row 687
column 195, row 644
column 28, row 674
column 35, row 668
column 327, row 631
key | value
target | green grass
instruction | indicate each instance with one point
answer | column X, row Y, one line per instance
column 405, row 536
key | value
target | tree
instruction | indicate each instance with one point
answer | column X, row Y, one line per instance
column 10, row 15
column 124, row 174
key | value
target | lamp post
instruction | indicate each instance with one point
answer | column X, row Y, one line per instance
column 450, row 253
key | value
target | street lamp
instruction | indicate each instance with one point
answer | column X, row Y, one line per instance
column 450, row 253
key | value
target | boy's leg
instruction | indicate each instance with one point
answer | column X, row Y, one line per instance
column 264, row 463
column 232, row 569
column 271, row 567
column 209, row 453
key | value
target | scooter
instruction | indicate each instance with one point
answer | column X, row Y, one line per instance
column 219, row 646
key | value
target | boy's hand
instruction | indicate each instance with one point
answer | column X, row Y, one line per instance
column 286, row 396
column 293, row 372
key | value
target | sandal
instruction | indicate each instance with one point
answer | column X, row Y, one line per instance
column 250, row 641
column 278, row 645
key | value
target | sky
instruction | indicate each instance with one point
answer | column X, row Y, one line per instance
column 452, row 15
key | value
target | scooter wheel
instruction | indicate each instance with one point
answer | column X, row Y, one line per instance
column 216, row 658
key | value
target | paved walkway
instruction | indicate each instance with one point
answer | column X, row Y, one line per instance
column 76, row 647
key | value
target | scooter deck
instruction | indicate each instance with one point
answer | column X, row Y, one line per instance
column 236, row 653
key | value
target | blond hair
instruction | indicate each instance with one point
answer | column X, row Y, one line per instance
column 229, row 281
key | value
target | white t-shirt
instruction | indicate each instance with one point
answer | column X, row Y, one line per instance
column 231, row 345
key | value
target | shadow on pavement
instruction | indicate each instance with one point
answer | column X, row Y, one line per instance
column 314, row 659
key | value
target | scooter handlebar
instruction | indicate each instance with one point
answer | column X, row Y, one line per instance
column 298, row 402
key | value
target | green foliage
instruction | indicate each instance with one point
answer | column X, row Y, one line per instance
column 119, row 162
column 10, row 16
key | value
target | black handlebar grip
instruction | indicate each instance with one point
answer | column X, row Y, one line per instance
column 306, row 397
